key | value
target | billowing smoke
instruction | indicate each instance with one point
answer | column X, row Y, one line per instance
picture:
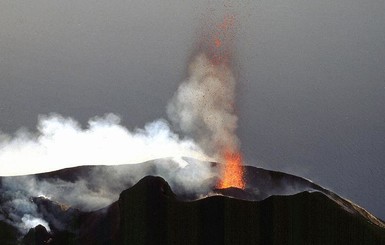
column 96, row 189
column 202, row 109
column 16, row 207
column 61, row 142
column 203, row 106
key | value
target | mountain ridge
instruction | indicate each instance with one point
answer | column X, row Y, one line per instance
column 150, row 213
column 266, row 182
column 234, row 221
column 271, row 199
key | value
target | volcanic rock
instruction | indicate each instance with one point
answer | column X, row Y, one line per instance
column 38, row 235
column 149, row 213
column 274, row 208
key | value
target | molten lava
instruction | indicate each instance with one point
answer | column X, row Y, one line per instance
column 220, row 51
column 232, row 172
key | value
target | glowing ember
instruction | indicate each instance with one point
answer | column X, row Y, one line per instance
column 232, row 175
column 218, row 42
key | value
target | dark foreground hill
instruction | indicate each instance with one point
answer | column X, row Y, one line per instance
column 259, row 183
column 274, row 208
column 150, row 213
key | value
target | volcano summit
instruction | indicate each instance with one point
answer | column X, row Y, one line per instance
column 273, row 208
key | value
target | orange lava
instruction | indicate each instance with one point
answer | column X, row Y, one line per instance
column 220, row 51
column 232, row 172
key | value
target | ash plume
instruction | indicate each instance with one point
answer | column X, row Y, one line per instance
column 202, row 110
column 203, row 106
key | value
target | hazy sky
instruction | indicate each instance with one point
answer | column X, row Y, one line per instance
column 311, row 76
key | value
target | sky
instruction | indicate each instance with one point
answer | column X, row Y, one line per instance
column 310, row 76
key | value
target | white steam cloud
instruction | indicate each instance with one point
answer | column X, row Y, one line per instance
column 31, row 222
column 202, row 109
column 97, row 188
column 61, row 143
column 203, row 106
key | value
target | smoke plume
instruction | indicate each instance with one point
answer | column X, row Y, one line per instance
column 202, row 109
column 203, row 106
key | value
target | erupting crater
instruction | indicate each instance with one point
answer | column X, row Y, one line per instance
column 232, row 172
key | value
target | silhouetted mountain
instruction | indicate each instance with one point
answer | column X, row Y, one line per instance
column 274, row 208
column 37, row 235
column 149, row 213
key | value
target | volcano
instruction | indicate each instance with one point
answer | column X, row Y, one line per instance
column 272, row 208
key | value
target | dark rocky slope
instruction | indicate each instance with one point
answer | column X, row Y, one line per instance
column 275, row 208
column 149, row 213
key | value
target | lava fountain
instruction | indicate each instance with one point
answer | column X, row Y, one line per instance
column 203, row 106
column 232, row 170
